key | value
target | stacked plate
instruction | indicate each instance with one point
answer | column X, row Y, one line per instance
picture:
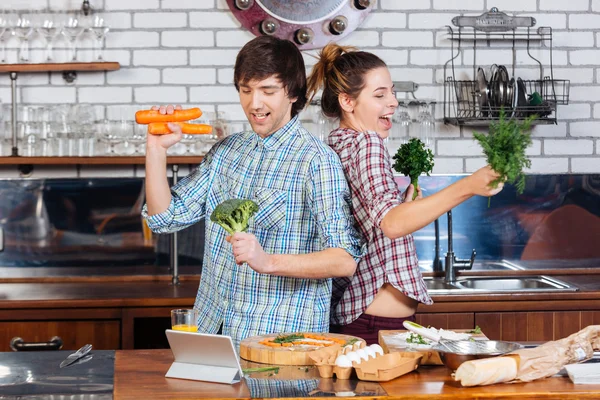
column 501, row 91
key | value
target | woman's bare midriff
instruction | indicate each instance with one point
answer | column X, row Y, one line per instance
column 389, row 302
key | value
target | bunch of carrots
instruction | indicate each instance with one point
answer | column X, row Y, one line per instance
column 157, row 122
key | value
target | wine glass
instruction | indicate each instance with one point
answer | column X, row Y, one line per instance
column 426, row 125
column 99, row 30
column 138, row 139
column 23, row 29
column 72, row 29
column 3, row 30
column 49, row 29
column 401, row 123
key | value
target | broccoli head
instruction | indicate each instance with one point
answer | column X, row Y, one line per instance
column 233, row 214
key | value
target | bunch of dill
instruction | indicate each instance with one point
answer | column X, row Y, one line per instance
column 505, row 148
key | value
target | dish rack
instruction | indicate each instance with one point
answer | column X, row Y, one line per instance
column 479, row 101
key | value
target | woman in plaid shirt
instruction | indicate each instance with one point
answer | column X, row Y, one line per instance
column 387, row 285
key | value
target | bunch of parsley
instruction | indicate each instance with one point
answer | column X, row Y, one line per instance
column 413, row 159
column 505, row 146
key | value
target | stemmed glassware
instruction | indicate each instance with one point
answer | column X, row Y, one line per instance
column 49, row 29
column 138, row 139
column 401, row 123
column 72, row 29
column 23, row 29
column 426, row 125
column 99, row 30
column 3, row 30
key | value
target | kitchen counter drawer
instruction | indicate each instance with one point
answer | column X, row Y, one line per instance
column 99, row 327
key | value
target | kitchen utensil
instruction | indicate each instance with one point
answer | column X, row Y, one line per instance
column 471, row 350
column 515, row 96
column 482, row 92
column 505, row 91
column 453, row 346
column 521, row 98
column 72, row 358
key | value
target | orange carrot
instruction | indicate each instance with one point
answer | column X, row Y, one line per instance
column 161, row 128
column 148, row 116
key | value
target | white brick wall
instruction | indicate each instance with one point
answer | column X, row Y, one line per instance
column 183, row 51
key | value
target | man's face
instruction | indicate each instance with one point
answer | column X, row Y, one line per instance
column 266, row 105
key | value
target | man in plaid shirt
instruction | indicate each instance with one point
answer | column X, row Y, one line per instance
column 276, row 277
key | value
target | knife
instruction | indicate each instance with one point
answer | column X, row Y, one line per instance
column 82, row 352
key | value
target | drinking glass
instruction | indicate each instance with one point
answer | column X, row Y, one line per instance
column 184, row 320
column 138, row 139
column 426, row 125
column 50, row 30
column 401, row 123
column 72, row 29
column 23, row 29
column 108, row 138
column 99, row 30
column 3, row 31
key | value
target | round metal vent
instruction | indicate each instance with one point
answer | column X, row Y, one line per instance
column 309, row 24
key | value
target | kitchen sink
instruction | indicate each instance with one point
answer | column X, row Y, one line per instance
column 439, row 284
column 511, row 284
column 498, row 285
column 502, row 265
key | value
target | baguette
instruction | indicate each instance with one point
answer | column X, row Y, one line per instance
column 487, row 371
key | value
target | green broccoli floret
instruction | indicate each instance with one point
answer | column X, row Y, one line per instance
column 233, row 214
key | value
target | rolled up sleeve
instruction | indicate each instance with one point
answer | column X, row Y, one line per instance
column 330, row 198
column 372, row 173
column 188, row 202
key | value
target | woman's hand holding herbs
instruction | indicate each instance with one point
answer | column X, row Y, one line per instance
column 408, row 194
column 481, row 182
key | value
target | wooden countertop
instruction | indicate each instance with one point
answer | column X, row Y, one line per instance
column 150, row 291
column 134, row 293
column 139, row 374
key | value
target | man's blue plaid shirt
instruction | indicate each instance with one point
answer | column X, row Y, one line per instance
column 304, row 207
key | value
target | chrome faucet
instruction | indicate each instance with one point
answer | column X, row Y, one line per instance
column 452, row 263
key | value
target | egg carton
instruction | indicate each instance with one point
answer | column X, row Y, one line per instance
column 382, row 367
column 324, row 360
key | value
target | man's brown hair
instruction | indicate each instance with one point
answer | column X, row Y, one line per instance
column 266, row 56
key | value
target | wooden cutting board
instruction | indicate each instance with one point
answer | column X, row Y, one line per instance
column 430, row 357
column 252, row 350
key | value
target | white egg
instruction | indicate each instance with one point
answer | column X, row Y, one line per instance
column 370, row 352
column 357, row 345
column 377, row 348
column 363, row 354
column 354, row 357
column 343, row 361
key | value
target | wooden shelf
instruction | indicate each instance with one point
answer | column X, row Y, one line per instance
column 72, row 66
column 100, row 160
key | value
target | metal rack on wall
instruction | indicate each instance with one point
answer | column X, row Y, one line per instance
column 479, row 101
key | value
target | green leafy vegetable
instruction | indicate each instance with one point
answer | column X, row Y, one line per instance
column 505, row 146
column 351, row 342
column 413, row 159
column 288, row 338
column 476, row 331
column 261, row 369
column 233, row 214
column 415, row 339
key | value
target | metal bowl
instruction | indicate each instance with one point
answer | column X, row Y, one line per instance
column 469, row 350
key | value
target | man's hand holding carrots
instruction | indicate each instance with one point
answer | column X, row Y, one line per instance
column 166, row 141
